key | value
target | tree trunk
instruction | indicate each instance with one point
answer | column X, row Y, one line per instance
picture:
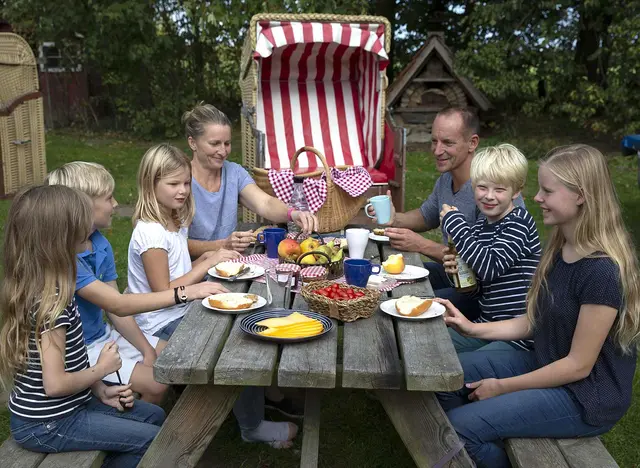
column 387, row 8
column 591, row 49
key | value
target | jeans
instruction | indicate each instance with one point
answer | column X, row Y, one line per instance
column 465, row 344
column 482, row 425
column 249, row 408
column 94, row 426
column 467, row 303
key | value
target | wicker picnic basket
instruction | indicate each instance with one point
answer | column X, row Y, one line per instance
column 344, row 310
column 338, row 209
column 22, row 145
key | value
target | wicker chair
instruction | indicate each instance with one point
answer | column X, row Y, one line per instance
column 22, row 145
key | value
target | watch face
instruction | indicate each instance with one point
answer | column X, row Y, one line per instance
column 183, row 297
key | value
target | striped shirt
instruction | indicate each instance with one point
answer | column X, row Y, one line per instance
column 504, row 256
column 28, row 399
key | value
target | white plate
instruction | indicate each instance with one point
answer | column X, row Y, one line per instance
column 410, row 273
column 389, row 307
column 377, row 238
column 256, row 305
column 255, row 271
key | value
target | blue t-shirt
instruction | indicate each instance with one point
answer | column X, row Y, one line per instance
column 217, row 212
column 95, row 264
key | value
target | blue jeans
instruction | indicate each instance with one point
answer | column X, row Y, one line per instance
column 94, row 426
column 442, row 287
column 482, row 425
column 465, row 344
column 249, row 408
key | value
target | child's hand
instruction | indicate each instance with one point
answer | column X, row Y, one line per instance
column 109, row 360
column 119, row 396
column 204, row 289
column 222, row 255
column 455, row 319
column 450, row 264
column 445, row 209
column 240, row 240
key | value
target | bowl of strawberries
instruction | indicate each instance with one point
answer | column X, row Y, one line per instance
column 340, row 301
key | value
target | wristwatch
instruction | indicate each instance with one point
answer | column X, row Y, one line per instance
column 183, row 295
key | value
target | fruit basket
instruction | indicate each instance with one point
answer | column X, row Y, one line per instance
column 363, row 303
column 319, row 253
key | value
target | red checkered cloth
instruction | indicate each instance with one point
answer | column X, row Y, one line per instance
column 353, row 180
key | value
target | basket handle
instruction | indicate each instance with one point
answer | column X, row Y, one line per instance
column 320, row 156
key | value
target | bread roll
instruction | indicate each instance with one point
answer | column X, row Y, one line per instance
column 412, row 306
column 227, row 269
column 232, row 301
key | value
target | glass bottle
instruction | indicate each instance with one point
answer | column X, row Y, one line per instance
column 465, row 279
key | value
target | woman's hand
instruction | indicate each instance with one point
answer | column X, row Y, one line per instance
column 307, row 221
column 119, row 396
column 204, row 289
column 445, row 209
column 240, row 240
column 485, row 388
column 109, row 359
column 455, row 319
column 450, row 264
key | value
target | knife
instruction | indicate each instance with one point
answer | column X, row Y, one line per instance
column 240, row 273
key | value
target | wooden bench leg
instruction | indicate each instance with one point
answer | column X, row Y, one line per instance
column 423, row 427
column 191, row 426
column 311, row 429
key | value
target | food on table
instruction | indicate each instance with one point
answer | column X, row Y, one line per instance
column 412, row 306
column 309, row 244
column 289, row 249
column 343, row 243
column 295, row 325
column 394, row 264
column 339, row 292
column 378, row 232
column 232, row 301
column 227, row 269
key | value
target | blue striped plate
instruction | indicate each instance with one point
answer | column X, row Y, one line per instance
column 248, row 324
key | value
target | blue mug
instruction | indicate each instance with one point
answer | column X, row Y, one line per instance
column 357, row 271
column 382, row 205
column 272, row 237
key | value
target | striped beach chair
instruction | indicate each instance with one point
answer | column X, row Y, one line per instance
column 320, row 81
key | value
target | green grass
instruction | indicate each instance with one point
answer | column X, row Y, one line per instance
column 355, row 429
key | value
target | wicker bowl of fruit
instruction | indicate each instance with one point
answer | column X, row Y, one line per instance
column 340, row 301
column 313, row 252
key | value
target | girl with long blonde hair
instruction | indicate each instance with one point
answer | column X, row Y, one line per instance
column 583, row 313
column 58, row 401
column 159, row 260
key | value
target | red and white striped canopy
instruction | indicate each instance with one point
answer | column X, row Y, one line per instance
column 320, row 85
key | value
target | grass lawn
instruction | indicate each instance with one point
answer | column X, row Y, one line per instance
column 355, row 429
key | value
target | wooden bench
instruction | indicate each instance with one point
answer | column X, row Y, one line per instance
column 14, row 456
column 585, row 452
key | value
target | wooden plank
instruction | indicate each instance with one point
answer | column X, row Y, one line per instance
column 370, row 351
column 423, row 427
column 14, row 456
column 429, row 358
column 311, row 430
column 535, row 453
column 91, row 459
column 312, row 363
column 190, row 426
column 246, row 360
column 587, row 452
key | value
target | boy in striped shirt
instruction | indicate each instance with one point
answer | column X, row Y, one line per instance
column 502, row 247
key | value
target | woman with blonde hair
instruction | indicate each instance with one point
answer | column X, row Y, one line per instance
column 58, row 402
column 583, row 312
column 159, row 260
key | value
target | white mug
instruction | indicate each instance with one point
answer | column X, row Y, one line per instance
column 357, row 240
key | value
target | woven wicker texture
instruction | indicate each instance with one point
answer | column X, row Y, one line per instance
column 345, row 310
column 338, row 209
column 21, row 116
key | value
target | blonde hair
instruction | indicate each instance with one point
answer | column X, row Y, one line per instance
column 502, row 164
column 44, row 229
column 202, row 114
column 158, row 162
column 599, row 228
column 90, row 178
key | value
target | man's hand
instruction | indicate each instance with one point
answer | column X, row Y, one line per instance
column 405, row 239
column 485, row 388
column 392, row 218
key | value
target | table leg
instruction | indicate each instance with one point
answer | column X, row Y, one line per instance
column 423, row 427
column 190, row 426
column 311, row 429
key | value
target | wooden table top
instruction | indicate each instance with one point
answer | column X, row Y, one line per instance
column 380, row 352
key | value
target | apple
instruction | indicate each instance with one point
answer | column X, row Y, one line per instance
column 289, row 249
column 309, row 244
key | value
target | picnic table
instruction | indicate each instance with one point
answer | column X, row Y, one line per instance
column 402, row 361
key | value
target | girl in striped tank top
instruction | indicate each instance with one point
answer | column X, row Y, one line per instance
column 58, row 402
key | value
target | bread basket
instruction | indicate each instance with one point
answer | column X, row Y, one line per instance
column 344, row 310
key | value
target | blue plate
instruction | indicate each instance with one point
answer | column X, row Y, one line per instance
column 248, row 324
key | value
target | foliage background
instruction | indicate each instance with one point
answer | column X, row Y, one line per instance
column 149, row 59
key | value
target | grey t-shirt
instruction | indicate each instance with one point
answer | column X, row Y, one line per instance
column 463, row 200
column 217, row 212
